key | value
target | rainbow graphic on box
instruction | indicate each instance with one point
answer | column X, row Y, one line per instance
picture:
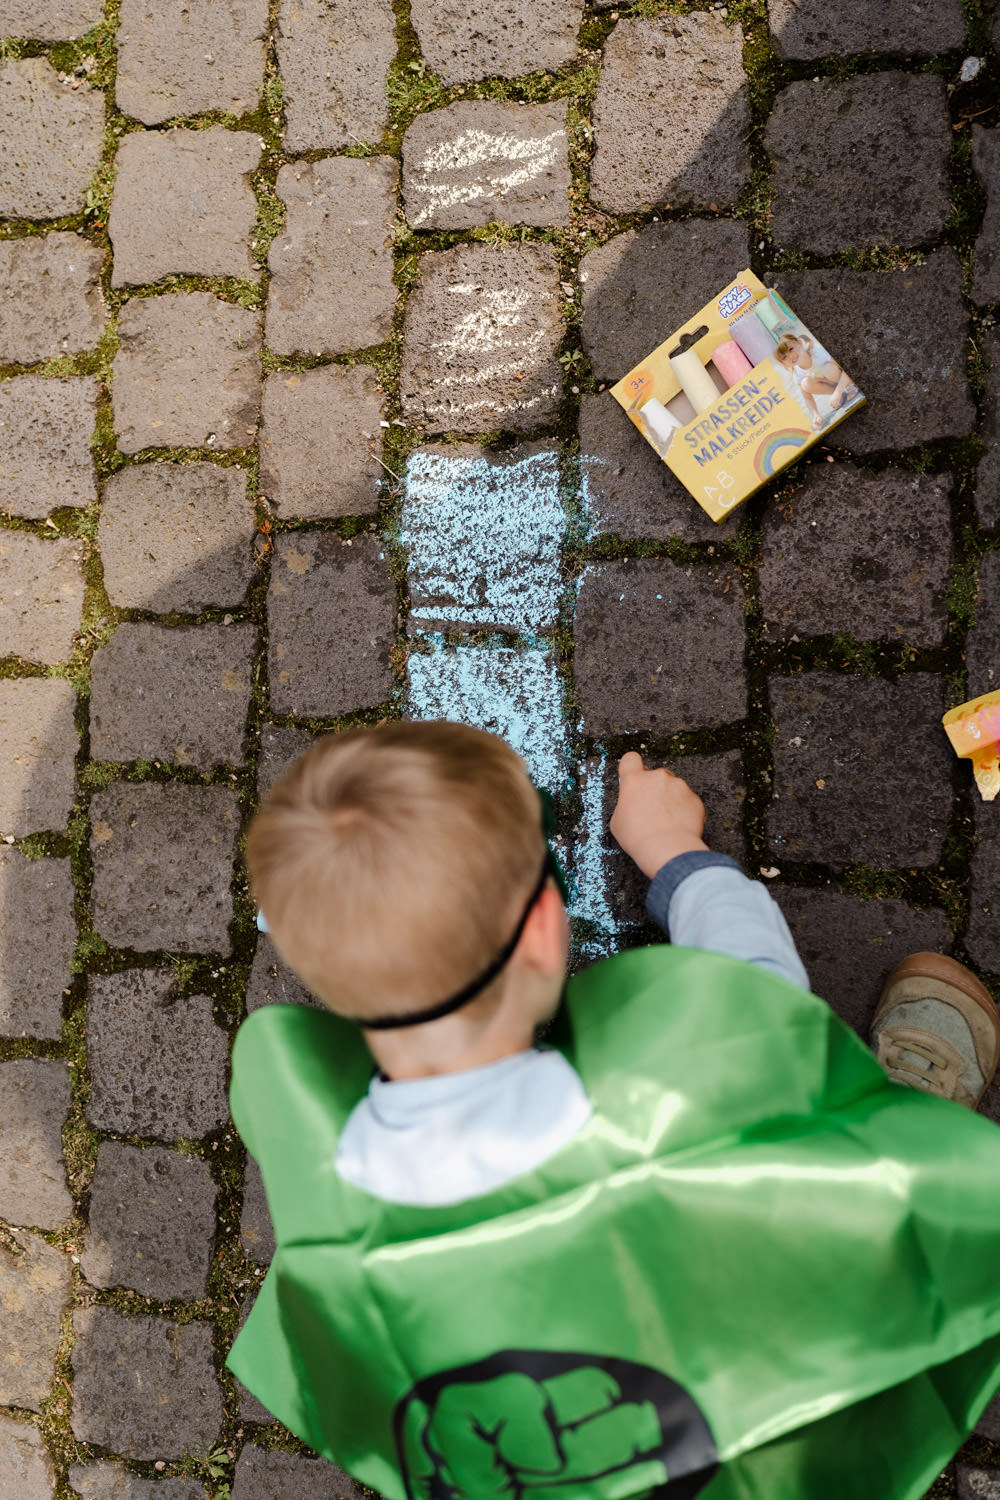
column 787, row 437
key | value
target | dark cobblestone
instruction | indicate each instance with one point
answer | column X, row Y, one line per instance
column 105, row 1481
column 157, row 1062
column 251, row 1410
column 492, row 38
column 177, row 695
column 334, row 59
column 868, row 554
column 272, row 982
column 163, row 858
column 34, row 1103
column 331, row 266
column 989, row 1423
column 45, row 432
column 184, row 57
column 35, row 1289
column 50, row 302
column 986, row 160
column 38, row 744
column 151, row 1222
column 183, row 205
column 659, row 648
column 49, row 20
column 269, row 1474
column 718, row 779
column 902, row 336
column 482, row 329
column 50, row 141
column 983, row 935
column 838, row 792
column 988, row 473
column 25, row 1466
column 176, row 537
column 977, row 1484
column 809, row 29
column 36, row 895
column 628, row 490
column 671, row 117
column 320, row 441
column 256, row 1231
column 279, row 749
column 187, row 373
column 143, row 1387
column 643, row 284
column 982, row 651
column 849, row 946
column 884, row 140
column 41, row 596
column 331, row 621
column 477, row 162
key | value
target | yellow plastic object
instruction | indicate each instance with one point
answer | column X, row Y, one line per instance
column 974, row 731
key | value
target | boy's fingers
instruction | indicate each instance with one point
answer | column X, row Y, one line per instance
column 630, row 763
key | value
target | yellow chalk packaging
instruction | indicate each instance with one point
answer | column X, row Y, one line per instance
column 736, row 394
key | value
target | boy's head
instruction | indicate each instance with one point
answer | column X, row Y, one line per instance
column 394, row 863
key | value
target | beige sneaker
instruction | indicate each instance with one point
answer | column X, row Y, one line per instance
column 936, row 1028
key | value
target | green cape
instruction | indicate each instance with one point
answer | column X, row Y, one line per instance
column 759, row 1272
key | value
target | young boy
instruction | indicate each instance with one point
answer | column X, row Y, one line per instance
column 699, row 1244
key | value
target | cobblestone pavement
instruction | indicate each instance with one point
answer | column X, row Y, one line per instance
column 306, row 319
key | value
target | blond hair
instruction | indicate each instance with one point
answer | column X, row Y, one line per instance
column 784, row 349
column 391, row 862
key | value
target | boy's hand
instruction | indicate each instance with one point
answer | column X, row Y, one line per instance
column 658, row 815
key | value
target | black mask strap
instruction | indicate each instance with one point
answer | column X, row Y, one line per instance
column 470, row 991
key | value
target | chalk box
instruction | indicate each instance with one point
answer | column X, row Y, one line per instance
column 764, row 412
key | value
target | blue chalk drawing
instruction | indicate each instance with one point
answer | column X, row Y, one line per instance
column 516, row 694
column 589, row 860
column 484, row 540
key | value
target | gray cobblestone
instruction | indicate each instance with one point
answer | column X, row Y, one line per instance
column 849, row 946
column 628, row 490
column 187, row 373
column 163, row 858
column 989, row 1423
column 884, row 140
column 38, row 744
column 279, row 749
column 988, row 473
column 671, row 116
column 151, row 1222
column 183, row 204
column 331, row 267
column 493, row 38
column 868, row 554
column 157, row 1062
column 659, row 648
column 272, row 982
column 331, row 617
column 41, row 596
column 25, row 1467
column 836, row 770
column 986, row 160
column 982, row 652
column 481, row 334
column 45, row 432
column 977, row 1484
column 176, row 537
column 256, row 1231
column 251, row 1410
column 106, row 1481
column 50, row 297
column 909, row 325
column 320, row 441
column 36, row 895
column 334, row 59
column 269, row 1474
column 177, row 695
column 478, row 162
column 809, row 29
column 35, row 1289
column 34, row 1103
column 184, row 57
column 143, row 1387
column 983, row 935
column 641, row 285
column 49, row 20
column 50, row 141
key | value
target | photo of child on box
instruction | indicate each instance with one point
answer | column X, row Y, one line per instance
column 736, row 394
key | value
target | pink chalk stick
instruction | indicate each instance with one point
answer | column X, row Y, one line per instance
column 731, row 363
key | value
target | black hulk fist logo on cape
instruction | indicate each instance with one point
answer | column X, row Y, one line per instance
column 527, row 1424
